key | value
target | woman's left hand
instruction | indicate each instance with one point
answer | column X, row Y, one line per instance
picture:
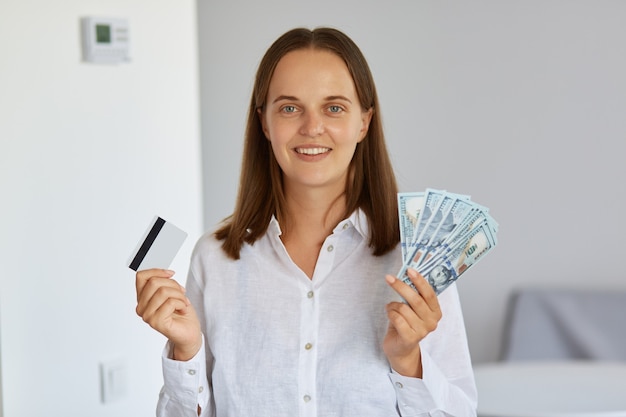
column 409, row 323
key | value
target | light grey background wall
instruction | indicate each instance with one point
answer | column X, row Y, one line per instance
column 520, row 104
column 88, row 155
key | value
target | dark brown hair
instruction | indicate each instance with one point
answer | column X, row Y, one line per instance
column 371, row 185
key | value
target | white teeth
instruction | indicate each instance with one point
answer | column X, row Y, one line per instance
column 312, row 151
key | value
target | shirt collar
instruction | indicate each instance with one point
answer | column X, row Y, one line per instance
column 274, row 227
column 357, row 219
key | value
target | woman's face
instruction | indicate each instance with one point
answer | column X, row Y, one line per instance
column 313, row 119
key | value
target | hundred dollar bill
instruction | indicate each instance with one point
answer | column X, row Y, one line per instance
column 432, row 199
column 477, row 218
column 442, row 234
column 471, row 249
column 409, row 208
column 449, row 267
column 439, row 221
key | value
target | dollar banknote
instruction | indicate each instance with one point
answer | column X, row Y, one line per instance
column 430, row 202
column 443, row 237
column 450, row 211
column 409, row 208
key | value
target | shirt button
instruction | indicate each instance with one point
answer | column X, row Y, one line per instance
column 330, row 248
column 306, row 398
column 399, row 385
column 309, row 294
column 345, row 226
column 200, row 390
column 308, row 346
column 191, row 372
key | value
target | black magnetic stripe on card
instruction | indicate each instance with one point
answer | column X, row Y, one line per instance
column 147, row 244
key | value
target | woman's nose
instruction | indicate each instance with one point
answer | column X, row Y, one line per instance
column 312, row 125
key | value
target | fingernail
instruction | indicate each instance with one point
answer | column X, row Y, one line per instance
column 390, row 279
column 169, row 272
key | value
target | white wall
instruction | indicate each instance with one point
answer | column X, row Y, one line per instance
column 88, row 155
column 520, row 104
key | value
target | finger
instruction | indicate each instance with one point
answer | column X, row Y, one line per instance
column 153, row 283
column 401, row 315
column 413, row 319
column 159, row 313
column 409, row 325
column 426, row 313
column 424, row 296
column 409, row 294
column 398, row 286
column 143, row 276
column 156, row 292
column 406, row 323
column 425, row 303
column 424, row 289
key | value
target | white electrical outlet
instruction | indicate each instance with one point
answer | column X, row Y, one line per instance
column 113, row 380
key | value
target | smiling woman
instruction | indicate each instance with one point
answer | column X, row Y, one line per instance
column 289, row 309
column 370, row 177
column 313, row 121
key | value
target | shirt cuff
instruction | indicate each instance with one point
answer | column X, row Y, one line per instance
column 186, row 381
column 415, row 395
column 412, row 395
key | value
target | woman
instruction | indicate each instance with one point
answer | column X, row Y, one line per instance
column 285, row 311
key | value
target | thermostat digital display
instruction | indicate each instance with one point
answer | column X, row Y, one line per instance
column 105, row 40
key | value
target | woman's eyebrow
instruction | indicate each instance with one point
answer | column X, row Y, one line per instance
column 333, row 98
column 294, row 98
column 283, row 98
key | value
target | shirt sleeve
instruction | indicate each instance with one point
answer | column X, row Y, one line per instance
column 447, row 387
column 185, row 386
column 414, row 399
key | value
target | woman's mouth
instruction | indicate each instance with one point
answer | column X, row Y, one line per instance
column 311, row 151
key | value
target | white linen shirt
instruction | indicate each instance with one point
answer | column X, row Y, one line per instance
column 280, row 344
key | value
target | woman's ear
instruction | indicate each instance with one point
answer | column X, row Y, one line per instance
column 366, row 118
column 263, row 125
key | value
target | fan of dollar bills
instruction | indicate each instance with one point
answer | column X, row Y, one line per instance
column 442, row 234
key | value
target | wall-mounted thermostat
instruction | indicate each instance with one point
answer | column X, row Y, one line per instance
column 105, row 40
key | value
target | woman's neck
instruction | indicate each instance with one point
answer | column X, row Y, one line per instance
column 311, row 218
column 315, row 209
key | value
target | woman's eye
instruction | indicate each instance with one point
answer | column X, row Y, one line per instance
column 289, row 109
column 335, row 109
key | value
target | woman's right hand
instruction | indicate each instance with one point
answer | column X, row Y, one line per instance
column 162, row 303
